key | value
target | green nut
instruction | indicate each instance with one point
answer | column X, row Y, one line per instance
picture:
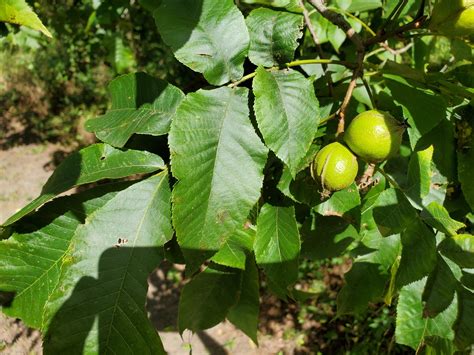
column 335, row 167
column 374, row 135
column 453, row 18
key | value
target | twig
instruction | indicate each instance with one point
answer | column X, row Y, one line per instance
column 339, row 20
column 244, row 78
column 312, row 31
column 396, row 11
column 355, row 18
column 369, row 92
column 296, row 63
column 395, row 51
column 382, row 37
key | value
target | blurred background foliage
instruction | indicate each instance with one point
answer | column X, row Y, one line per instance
column 49, row 87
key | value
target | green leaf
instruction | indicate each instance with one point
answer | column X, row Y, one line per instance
column 287, row 113
column 464, row 326
column 209, row 36
column 330, row 238
column 439, row 290
column 94, row 163
column 140, row 104
column 234, row 250
column 365, row 283
column 19, row 12
column 105, row 274
column 207, row 299
column 30, row 261
column 419, row 175
column 444, row 155
column 341, row 202
column 465, row 170
column 393, row 213
column 438, row 217
column 244, row 314
column 303, row 188
column 434, row 345
column 460, row 249
column 291, row 5
column 277, row 245
column 418, row 253
column 320, row 25
column 423, row 109
column 468, row 279
column 274, row 36
column 121, row 55
column 411, row 327
column 364, row 5
column 218, row 159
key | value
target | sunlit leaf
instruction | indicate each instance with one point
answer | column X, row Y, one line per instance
column 94, row 163
column 209, row 36
column 19, row 12
column 140, row 104
column 218, row 160
column 287, row 114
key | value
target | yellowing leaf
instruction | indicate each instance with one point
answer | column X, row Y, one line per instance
column 19, row 12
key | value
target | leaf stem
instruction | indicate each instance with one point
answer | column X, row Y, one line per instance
column 295, row 63
column 389, row 179
column 355, row 18
column 244, row 78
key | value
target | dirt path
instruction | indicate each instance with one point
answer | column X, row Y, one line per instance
column 23, row 171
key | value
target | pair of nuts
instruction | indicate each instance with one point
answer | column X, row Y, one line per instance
column 373, row 135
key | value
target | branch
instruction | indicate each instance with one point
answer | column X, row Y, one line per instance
column 339, row 21
column 396, row 51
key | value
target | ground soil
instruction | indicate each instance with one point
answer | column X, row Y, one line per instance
column 23, row 171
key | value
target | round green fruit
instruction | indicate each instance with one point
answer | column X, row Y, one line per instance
column 374, row 135
column 335, row 167
column 453, row 17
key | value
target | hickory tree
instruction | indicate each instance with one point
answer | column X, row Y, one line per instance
column 251, row 174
